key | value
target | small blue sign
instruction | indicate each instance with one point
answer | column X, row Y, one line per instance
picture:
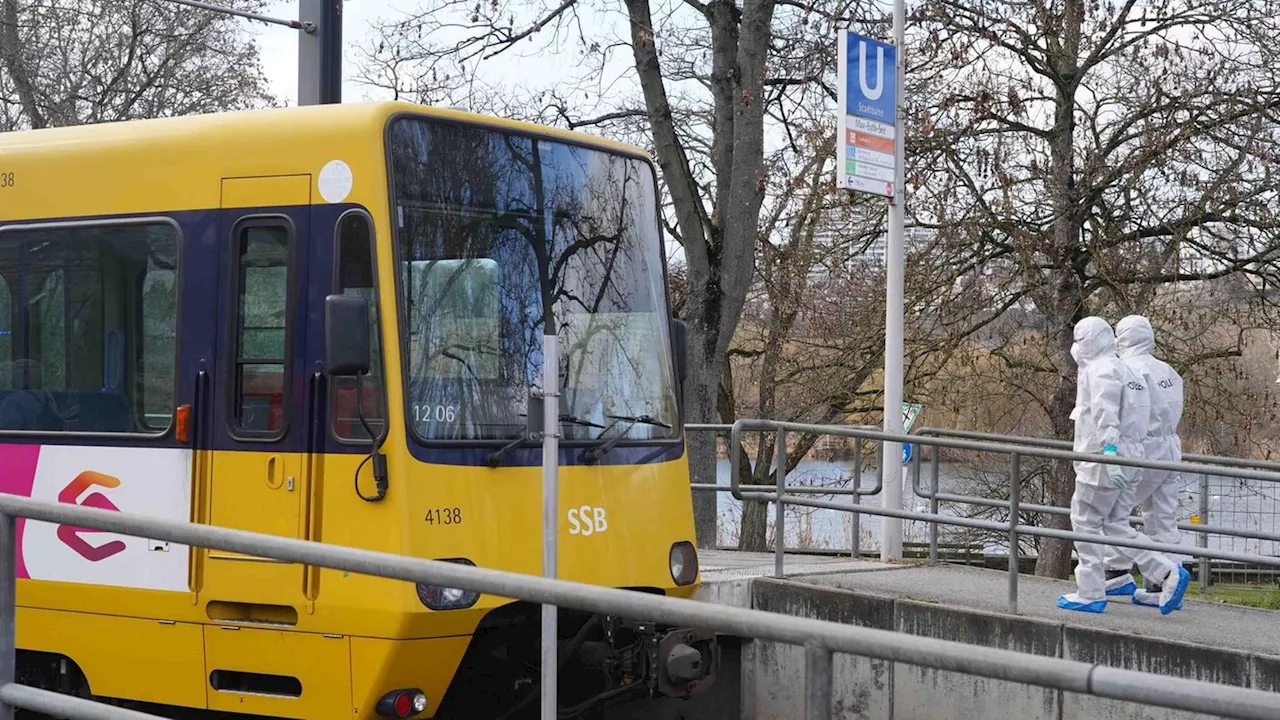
column 871, row 79
column 906, row 453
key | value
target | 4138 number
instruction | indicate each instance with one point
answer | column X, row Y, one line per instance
column 444, row 516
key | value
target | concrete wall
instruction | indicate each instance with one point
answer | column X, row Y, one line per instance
column 773, row 673
column 924, row 692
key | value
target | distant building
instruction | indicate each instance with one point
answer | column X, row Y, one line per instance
column 837, row 226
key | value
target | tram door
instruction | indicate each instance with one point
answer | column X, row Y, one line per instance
column 257, row 470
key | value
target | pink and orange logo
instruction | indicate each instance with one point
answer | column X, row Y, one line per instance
column 72, row 535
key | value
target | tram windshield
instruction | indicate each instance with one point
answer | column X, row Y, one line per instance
column 491, row 229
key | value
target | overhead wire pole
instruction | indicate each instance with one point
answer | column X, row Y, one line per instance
column 320, row 53
column 319, row 45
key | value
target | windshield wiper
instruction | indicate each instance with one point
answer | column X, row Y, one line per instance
column 593, row 455
column 642, row 419
column 492, row 458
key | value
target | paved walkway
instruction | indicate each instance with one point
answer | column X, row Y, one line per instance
column 1199, row 622
column 722, row 565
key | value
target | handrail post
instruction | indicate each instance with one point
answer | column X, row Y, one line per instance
column 880, row 487
column 735, row 444
column 880, row 466
column 779, row 522
column 1202, row 539
column 8, row 608
column 817, row 682
column 1015, row 492
column 916, row 456
column 855, row 518
column 933, row 507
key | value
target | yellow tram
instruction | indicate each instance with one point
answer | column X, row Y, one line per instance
column 325, row 323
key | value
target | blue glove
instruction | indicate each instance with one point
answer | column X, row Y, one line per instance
column 1115, row 472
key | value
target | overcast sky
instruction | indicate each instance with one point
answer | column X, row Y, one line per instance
column 280, row 50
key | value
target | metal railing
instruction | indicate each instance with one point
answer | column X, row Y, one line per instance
column 857, row 492
column 819, row 638
column 1202, row 529
column 782, row 495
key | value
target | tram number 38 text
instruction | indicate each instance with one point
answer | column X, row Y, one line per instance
column 6, row 179
column 587, row 520
column 444, row 516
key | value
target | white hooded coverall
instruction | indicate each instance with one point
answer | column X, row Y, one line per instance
column 1155, row 490
column 1112, row 408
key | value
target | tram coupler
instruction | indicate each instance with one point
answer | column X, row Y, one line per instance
column 687, row 661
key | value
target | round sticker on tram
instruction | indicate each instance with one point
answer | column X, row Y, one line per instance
column 335, row 181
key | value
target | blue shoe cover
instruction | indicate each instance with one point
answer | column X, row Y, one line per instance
column 1146, row 598
column 1095, row 606
column 1175, row 602
column 1126, row 589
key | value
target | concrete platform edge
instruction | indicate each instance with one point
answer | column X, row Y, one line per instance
column 771, row 673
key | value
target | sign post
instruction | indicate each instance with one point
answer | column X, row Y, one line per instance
column 869, row 159
column 909, row 413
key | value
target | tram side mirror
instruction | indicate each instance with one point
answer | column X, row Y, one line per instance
column 346, row 335
column 680, row 338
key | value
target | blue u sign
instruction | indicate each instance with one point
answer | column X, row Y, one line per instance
column 870, row 78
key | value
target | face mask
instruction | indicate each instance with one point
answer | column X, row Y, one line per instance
column 1075, row 352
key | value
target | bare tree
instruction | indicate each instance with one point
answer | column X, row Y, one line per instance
column 68, row 62
column 800, row 230
column 1098, row 154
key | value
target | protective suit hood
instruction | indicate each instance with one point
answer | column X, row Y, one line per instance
column 1134, row 336
column 1093, row 340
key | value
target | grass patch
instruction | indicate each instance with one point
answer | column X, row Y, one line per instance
column 1259, row 596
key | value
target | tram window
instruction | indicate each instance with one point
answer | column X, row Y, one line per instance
column 159, row 332
column 6, row 333
column 262, row 285
column 87, row 328
column 356, row 277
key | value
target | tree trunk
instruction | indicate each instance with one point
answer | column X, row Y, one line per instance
column 753, row 528
column 701, row 447
column 11, row 54
column 720, row 251
column 755, row 515
column 755, row 519
column 1067, row 304
column 787, row 267
column 1055, row 555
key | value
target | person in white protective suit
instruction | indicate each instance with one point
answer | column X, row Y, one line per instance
column 1155, row 490
column 1111, row 416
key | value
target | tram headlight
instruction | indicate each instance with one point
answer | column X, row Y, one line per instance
column 684, row 563
column 447, row 598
